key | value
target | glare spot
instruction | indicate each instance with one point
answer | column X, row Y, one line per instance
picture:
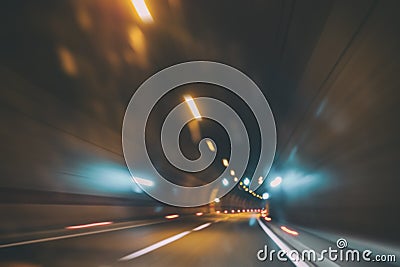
column 138, row 44
column 246, row 181
column 265, row 196
column 67, row 60
column 136, row 188
column 252, row 221
column 320, row 108
column 225, row 162
column 210, row 145
column 277, row 181
column 158, row 209
column 84, row 19
column 292, row 154
column 225, row 182
column 143, row 181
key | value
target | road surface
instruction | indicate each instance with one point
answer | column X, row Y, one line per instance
column 208, row 240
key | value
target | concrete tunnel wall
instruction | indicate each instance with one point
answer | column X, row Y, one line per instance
column 340, row 161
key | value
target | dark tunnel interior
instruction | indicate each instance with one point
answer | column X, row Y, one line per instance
column 328, row 69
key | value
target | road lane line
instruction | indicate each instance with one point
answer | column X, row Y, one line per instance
column 281, row 244
column 154, row 246
column 75, row 235
column 88, row 225
column 161, row 243
column 198, row 228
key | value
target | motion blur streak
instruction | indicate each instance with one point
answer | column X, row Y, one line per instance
column 41, row 240
column 142, row 10
column 172, row 216
column 67, row 60
column 277, row 181
column 281, row 244
column 329, row 69
column 193, row 108
column 210, row 145
column 289, row 231
column 154, row 247
column 88, row 225
column 145, row 182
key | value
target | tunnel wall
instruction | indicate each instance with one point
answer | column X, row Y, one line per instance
column 339, row 161
column 27, row 211
column 21, row 219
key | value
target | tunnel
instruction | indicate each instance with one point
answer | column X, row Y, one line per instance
column 319, row 154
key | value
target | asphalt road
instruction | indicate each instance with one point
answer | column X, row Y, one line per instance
column 220, row 240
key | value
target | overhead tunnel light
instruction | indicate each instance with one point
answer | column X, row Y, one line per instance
column 210, row 145
column 142, row 10
column 225, row 162
column 192, row 106
column 277, row 181
column 143, row 181
column 265, row 196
